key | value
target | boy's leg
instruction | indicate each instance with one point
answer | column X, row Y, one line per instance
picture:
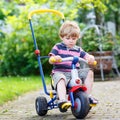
column 88, row 76
column 89, row 81
column 60, row 83
column 89, row 84
column 61, row 89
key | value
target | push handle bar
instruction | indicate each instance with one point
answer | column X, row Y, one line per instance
column 45, row 10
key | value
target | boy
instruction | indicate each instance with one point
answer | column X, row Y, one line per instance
column 69, row 33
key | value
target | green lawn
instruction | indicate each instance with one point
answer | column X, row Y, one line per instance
column 12, row 87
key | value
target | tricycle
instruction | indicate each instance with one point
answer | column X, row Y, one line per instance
column 76, row 89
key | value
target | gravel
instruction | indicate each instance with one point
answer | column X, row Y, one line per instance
column 107, row 92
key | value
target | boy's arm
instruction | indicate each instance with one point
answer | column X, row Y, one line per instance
column 54, row 55
column 87, row 56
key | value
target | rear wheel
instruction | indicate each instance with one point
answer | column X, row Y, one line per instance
column 41, row 106
column 82, row 107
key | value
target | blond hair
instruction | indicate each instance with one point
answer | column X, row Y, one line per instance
column 69, row 28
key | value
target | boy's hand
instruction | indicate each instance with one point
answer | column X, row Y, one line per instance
column 91, row 60
column 55, row 59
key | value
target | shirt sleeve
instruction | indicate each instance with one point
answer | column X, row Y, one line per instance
column 54, row 51
column 82, row 53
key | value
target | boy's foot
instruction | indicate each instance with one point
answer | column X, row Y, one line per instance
column 63, row 106
column 93, row 100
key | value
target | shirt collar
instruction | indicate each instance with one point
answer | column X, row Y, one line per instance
column 74, row 48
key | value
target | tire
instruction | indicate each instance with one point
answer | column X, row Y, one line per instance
column 82, row 107
column 41, row 106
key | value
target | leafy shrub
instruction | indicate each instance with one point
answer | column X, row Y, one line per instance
column 17, row 50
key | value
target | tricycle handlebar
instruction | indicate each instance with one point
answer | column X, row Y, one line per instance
column 77, row 59
column 73, row 59
column 45, row 10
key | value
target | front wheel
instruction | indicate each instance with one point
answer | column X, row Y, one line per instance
column 81, row 108
column 41, row 106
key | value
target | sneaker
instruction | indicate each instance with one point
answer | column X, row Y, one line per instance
column 93, row 100
column 63, row 105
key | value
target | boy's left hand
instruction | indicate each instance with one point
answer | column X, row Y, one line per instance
column 91, row 60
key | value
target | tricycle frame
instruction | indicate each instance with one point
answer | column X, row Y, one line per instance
column 51, row 104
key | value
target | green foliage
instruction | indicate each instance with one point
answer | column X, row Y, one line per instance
column 93, row 4
column 113, row 12
column 91, row 41
column 107, row 42
column 17, row 50
column 117, row 50
column 8, row 9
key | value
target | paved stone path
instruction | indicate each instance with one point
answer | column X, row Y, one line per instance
column 108, row 93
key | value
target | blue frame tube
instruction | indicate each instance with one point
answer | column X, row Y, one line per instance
column 72, row 99
column 42, row 74
column 39, row 59
column 51, row 103
column 33, row 36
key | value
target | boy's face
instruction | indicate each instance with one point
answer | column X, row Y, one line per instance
column 69, row 41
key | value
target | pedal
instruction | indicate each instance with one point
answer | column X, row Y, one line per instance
column 66, row 105
column 93, row 105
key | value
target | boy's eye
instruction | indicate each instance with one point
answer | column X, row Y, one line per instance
column 73, row 38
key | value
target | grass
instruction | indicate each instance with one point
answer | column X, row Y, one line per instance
column 12, row 87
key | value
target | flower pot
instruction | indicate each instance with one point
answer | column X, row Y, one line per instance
column 104, row 61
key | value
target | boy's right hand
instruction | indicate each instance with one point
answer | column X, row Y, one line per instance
column 55, row 59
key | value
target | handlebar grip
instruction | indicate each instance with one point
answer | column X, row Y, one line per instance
column 52, row 60
column 95, row 63
column 45, row 10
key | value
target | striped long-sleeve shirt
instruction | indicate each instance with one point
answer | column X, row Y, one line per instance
column 61, row 50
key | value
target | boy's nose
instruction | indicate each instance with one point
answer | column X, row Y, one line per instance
column 71, row 40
